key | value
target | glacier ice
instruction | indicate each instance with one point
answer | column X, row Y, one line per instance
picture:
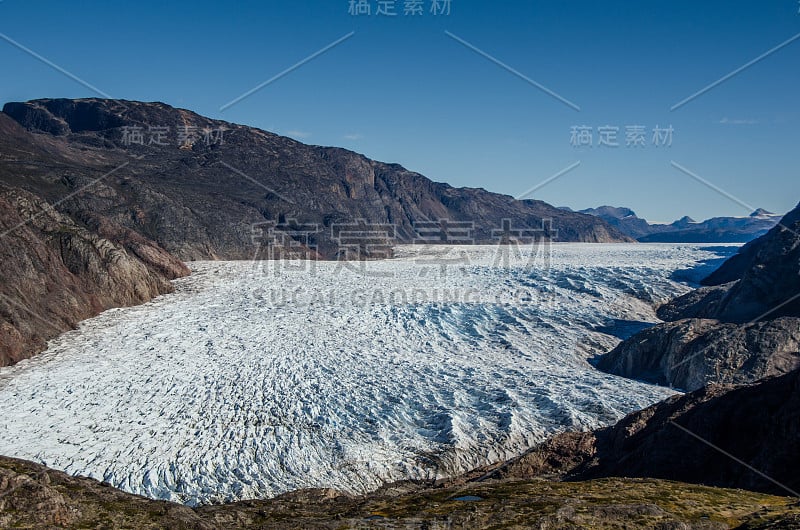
column 256, row 378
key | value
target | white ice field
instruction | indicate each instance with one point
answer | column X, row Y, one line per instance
column 258, row 378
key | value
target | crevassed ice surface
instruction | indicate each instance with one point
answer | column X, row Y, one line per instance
column 256, row 378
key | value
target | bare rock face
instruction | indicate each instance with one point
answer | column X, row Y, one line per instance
column 49, row 504
column 771, row 286
column 685, row 438
column 735, row 268
column 734, row 332
column 691, row 353
column 56, row 272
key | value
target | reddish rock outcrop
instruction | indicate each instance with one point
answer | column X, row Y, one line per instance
column 56, row 272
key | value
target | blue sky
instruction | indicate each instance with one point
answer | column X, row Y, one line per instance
column 402, row 90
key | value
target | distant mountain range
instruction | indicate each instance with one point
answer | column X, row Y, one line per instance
column 686, row 229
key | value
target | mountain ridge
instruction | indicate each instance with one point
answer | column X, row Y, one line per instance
column 324, row 185
column 687, row 230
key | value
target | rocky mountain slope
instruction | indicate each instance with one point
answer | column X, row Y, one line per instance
column 32, row 496
column 685, row 438
column 198, row 186
column 57, row 272
column 686, row 229
column 756, row 251
column 734, row 332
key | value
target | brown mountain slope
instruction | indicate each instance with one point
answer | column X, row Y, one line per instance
column 685, row 438
column 56, row 272
column 199, row 198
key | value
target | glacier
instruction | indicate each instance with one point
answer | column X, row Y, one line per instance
column 257, row 378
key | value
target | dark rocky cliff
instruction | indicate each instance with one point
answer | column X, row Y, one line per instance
column 733, row 332
column 685, row 438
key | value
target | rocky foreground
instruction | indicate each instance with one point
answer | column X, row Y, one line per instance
column 32, row 496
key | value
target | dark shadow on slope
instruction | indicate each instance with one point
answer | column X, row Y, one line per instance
column 692, row 275
column 622, row 329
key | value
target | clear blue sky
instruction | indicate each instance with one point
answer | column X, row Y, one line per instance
column 401, row 90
